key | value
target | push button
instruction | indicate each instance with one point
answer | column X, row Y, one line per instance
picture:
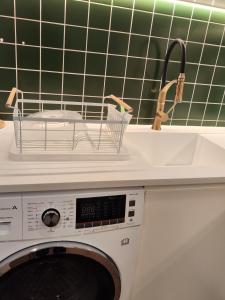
column 132, row 203
column 131, row 213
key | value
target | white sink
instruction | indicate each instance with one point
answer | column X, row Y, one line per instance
column 177, row 149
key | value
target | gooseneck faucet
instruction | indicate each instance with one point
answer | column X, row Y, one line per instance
column 160, row 115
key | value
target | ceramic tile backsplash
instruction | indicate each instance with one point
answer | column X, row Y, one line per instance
column 81, row 50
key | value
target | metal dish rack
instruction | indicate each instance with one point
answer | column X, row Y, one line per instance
column 44, row 126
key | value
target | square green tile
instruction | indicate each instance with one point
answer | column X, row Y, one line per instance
column 108, row 2
column 157, row 48
column 197, row 31
column 28, row 32
column 194, row 123
column 141, row 22
column 221, row 124
column 209, row 55
column 190, row 72
column 161, row 26
column 7, row 7
column 7, row 30
column 188, row 91
column 3, row 97
column 216, row 94
column 147, row 109
column 28, row 81
column 214, row 34
column 7, row 55
column 53, row 11
column 154, row 69
column 123, row 3
column 201, row 13
column 205, row 74
column 74, row 62
column 164, row 7
column 209, row 123
column 222, row 114
column 197, row 111
column 193, row 52
column 114, row 86
column 99, row 16
column 116, row 65
column 179, row 28
column 183, row 9
column 118, row 43
column 95, row 64
column 132, row 88
column 8, row 79
column 51, row 82
column 181, row 111
column 218, row 16
column 135, row 67
column 51, row 60
column 75, row 38
column 138, row 46
column 219, row 76
column 28, row 9
column 97, row 40
column 121, row 19
column 178, row 122
column 201, row 93
column 212, row 111
column 73, row 84
column 221, row 59
column 145, row 5
column 76, row 13
column 150, row 89
column 94, row 85
column 28, row 57
column 52, row 35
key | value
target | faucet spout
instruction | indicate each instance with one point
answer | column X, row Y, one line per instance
column 160, row 115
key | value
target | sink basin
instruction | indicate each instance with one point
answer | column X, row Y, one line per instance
column 177, row 149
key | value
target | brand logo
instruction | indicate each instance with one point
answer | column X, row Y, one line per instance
column 125, row 241
column 14, row 207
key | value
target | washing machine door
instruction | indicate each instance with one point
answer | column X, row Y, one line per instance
column 59, row 271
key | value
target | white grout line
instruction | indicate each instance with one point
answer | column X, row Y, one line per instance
column 15, row 35
column 107, row 53
column 86, row 48
column 196, row 77
column 64, row 43
column 128, row 49
column 211, row 82
column 40, row 54
column 146, row 60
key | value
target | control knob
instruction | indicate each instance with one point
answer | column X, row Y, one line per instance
column 50, row 217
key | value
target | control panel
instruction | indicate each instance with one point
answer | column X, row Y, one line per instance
column 51, row 214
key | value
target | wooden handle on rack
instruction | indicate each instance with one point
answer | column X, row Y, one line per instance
column 122, row 103
column 11, row 97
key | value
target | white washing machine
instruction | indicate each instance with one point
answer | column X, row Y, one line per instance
column 69, row 245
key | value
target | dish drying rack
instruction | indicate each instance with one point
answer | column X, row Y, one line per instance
column 66, row 129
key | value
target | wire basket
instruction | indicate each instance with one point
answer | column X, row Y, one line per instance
column 81, row 128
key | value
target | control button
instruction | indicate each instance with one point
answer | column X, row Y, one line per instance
column 97, row 223
column 131, row 213
column 113, row 221
column 87, row 225
column 121, row 220
column 105, row 222
column 132, row 203
column 50, row 217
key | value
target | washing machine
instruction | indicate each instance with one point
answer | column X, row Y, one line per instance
column 69, row 245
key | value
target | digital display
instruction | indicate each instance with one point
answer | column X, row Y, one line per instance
column 102, row 208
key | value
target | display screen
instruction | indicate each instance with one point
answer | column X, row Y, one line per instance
column 105, row 208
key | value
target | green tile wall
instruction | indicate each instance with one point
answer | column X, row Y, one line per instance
column 84, row 50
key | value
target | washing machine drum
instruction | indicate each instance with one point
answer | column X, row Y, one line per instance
column 59, row 271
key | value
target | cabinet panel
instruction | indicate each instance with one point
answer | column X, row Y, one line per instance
column 183, row 244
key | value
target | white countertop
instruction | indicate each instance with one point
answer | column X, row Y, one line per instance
column 18, row 176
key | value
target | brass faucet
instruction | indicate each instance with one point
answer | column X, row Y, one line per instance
column 160, row 115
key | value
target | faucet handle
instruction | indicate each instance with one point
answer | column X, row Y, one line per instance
column 179, row 88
